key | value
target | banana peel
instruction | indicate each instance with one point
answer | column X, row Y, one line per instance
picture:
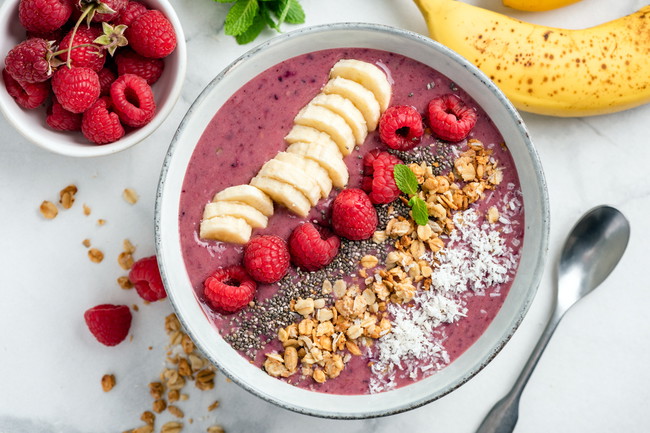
column 546, row 70
column 537, row 5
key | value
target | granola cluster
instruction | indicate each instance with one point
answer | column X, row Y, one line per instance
column 66, row 200
column 187, row 365
column 335, row 328
column 327, row 336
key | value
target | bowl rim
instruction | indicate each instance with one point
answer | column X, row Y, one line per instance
column 539, row 260
column 10, row 109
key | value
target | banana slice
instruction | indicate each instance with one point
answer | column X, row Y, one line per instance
column 361, row 97
column 284, row 194
column 327, row 121
column 247, row 194
column 325, row 152
column 226, row 229
column 308, row 134
column 366, row 74
column 252, row 216
column 318, row 173
column 294, row 176
column 327, row 155
column 346, row 109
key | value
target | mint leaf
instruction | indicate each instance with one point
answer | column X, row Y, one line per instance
column 225, row 1
column 295, row 14
column 282, row 10
column 419, row 210
column 240, row 17
column 405, row 179
column 253, row 31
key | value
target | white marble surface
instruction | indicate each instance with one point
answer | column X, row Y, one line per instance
column 593, row 377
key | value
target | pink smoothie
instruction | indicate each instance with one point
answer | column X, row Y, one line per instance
column 248, row 131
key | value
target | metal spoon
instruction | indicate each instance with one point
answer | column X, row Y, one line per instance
column 592, row 250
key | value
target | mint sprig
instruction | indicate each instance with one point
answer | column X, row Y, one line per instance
column 246, row 19
column 407, row 183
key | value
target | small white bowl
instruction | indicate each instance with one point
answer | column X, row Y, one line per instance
column 31, row 123
column 471, row 80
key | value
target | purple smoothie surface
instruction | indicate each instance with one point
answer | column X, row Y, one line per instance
column 248, row 130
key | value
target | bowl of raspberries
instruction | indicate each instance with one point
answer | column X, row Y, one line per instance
column 89, row 77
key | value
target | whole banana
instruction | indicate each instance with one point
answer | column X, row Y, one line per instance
column 546, row 70
column 537, row 5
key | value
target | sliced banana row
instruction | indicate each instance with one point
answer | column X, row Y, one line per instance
column 349, row 105
column 325, row 131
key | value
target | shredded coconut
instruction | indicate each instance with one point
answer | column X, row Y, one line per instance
column 475, row 258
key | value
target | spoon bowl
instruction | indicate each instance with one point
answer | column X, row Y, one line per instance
column 591, row 252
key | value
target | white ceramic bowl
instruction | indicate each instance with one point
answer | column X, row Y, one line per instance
column 31, row 123
column 470, row 79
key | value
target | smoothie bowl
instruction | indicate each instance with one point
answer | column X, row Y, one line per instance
column 403, row 188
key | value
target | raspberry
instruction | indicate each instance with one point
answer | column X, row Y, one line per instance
column 61, row 119
column 400, row 127
column 152, row 35
column 132, row 11
column 100, row 124
column 310, row 250
column 266, row 258
column 116, row 5
column 145, row 276
column 449, row 118
column 44, row 16
column 353, row 215
column 109, row 323
column 378, row 179
column 27, row 95
column 229, row 289
column 86, row 57
column 106, row 78
column 76, row 88
column 133, row 100
column 29, row 61
column 130, row 62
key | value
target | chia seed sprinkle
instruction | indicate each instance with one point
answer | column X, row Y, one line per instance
column 253, row 327
column 438, row 155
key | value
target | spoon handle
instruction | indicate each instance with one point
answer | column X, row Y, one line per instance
column 502, row 418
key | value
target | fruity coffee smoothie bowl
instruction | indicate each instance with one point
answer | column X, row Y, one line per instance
column 384, row 327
